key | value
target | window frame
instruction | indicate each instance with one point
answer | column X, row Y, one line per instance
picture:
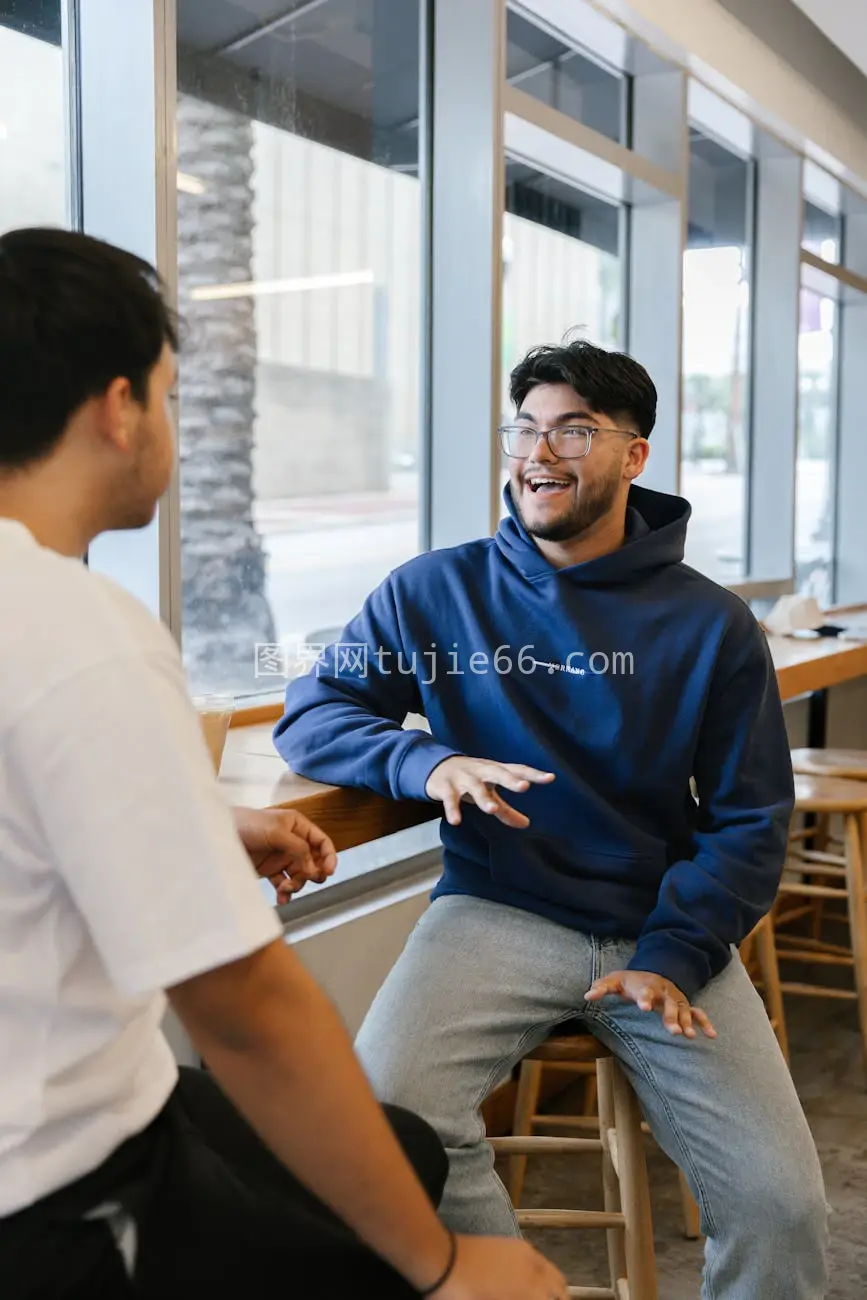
column 849, row 465
column 725, row 127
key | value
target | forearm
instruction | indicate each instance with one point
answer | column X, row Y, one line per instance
column 343, row 743
column 706, row 905
column 294, row 1075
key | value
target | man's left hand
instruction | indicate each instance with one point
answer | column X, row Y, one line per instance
column 653, row 993
column 282, row 840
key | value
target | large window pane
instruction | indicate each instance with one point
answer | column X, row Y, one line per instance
column 562, row 270
column 817, row 424
column 545, row 67
column 33, row 168
column 300, row 272
column 716, row 346
column 561, row 264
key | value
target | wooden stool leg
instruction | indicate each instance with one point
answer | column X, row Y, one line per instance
column 634, row 1192
column 591, row 1095
column 610, row 1184
column 856, row 839
column 819, row 843
column 689, row 1209
column 526, row 1104
column 767, row 953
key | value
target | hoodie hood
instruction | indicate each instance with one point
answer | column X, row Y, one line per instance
column 655, row 537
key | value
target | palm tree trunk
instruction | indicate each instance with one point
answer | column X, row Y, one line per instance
column 225, row 610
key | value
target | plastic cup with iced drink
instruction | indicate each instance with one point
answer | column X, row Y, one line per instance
column 215, row 713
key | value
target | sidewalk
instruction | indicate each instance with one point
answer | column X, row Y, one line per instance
column 339, row 509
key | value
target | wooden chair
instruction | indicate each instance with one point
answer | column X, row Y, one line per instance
column 618, row 1138
column 814, row 876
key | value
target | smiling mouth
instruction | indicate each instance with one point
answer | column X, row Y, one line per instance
column 547, row 486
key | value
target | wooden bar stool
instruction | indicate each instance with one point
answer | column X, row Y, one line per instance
column 818, row 876
column 758, row 953
column 618, row 1138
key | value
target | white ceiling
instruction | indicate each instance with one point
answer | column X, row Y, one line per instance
column 844, row 22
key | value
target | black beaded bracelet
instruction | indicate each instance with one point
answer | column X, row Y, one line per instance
column 450, row 1267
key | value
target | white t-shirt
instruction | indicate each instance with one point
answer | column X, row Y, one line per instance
column 120, row 870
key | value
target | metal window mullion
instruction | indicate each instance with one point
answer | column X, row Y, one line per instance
column 118, row 72
column 657, row 239
column 467, row 225
column 836, row 450
column 851, row 468
column 776, row 287
column 751, row 426
column 72, row 109
column 427, row 29
column 166, row 183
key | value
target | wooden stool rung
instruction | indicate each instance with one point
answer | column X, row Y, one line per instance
column 587, row 1123
column 817, row 991
column 812, row 891
column 790, row 915
column 572, row 1067
column 818, row 945
column 549, row 1146
column 810, row 954
column 815, row 869
column 570, row 1219
column 819, row 856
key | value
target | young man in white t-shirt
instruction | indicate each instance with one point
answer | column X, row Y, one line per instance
column 122, row 876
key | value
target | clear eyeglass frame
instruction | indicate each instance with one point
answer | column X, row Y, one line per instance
column 558, row 439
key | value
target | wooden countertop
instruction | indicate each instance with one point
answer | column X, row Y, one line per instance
column 804, row 666
column 253, row 773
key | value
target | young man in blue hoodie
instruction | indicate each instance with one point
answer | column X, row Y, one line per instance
column 575, row 675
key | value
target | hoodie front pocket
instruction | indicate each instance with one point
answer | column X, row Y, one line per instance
column 598, row 883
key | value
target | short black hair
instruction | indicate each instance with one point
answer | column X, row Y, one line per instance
column 75, row 314
column 611, row 382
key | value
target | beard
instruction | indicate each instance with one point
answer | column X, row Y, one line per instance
column 138, row 488
column 592, row 503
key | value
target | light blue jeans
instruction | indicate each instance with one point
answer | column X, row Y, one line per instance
column 479, row 984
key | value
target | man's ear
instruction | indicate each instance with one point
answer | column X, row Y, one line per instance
column 116, row 414
column 637, row 453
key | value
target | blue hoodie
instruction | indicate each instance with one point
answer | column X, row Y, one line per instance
column 625, row 676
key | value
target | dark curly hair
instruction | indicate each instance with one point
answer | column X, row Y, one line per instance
column 611, row 382
column 75, row 314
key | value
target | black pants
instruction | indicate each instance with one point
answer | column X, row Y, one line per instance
column 215, row 1213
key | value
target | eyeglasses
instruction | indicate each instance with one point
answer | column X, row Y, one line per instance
column 568, row 443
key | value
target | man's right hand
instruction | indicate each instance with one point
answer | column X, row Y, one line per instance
column 501, row 1268
column 474, row 780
